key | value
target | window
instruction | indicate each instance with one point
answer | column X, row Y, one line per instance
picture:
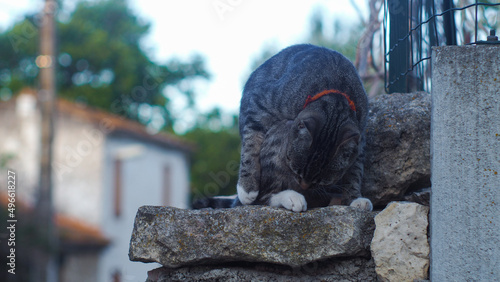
column 117, row 191
column 117, row 276
column 167, row 186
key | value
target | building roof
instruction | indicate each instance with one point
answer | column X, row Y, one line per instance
column 112, row 124
column 73, row 233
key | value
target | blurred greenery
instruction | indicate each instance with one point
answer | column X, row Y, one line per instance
column 100, row 63
column 4, row 160
column 214, row 169
column 26, row 239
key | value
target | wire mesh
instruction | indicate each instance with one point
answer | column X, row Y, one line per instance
column 413, row 27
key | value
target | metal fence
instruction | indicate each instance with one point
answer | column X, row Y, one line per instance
column 412, row 27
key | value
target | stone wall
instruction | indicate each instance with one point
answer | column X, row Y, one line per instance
column 337, row 243
column 397, row 162
column 263, row 243
column 342, row 244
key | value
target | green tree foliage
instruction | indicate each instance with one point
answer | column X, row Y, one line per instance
column 215, row 164
column 5, row 159
column 100, row 63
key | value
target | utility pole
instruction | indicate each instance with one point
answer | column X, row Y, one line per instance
column 45, row 259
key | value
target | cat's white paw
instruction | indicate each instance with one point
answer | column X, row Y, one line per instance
column 245, row 197
column 289, row 200
column 362, row 204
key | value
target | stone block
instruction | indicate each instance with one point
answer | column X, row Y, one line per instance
column 397, row 148
column 177, row 237
column 465, row 200
column 400, row 246
column 355, row 269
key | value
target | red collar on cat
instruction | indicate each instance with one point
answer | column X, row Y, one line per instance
column 326, row 92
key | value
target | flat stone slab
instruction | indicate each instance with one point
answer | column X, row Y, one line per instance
column 333, row 270
column 177, row 237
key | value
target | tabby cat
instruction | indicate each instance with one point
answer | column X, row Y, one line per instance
column 302, row 119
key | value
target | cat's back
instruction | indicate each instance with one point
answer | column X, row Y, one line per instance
column 279, row 87
column 294, row 61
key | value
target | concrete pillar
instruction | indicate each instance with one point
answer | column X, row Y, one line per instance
column 465, row 147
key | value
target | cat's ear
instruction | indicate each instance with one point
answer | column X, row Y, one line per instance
column 302, row 135
column 347, row 148
column 348, row 142
column 310, row 124
column 350, row 135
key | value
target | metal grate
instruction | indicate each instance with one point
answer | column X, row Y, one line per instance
column 412, row 27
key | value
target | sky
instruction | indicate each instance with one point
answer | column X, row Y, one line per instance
column 229, row 34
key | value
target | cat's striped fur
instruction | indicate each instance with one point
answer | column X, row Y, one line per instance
column 294, row 154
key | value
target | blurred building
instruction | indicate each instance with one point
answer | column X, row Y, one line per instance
column 104, row 168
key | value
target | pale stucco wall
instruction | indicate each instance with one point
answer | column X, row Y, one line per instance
column 80, row 267
column 78, row 168
column 142, row 184
column 20, row 135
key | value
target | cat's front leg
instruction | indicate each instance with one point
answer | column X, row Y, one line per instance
column 289, row 200
column 246, row 197
column 249, row 176
column 362, row 204
column 352, row 191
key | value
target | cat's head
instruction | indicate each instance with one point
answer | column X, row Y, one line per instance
column 321, row 149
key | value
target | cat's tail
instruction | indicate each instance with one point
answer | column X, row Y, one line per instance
column 218, row 202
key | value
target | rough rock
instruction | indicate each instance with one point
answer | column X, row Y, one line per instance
column 176, row 237
column 397, row 150
column 400, row 246
column 357, row 269
column 422, row 197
